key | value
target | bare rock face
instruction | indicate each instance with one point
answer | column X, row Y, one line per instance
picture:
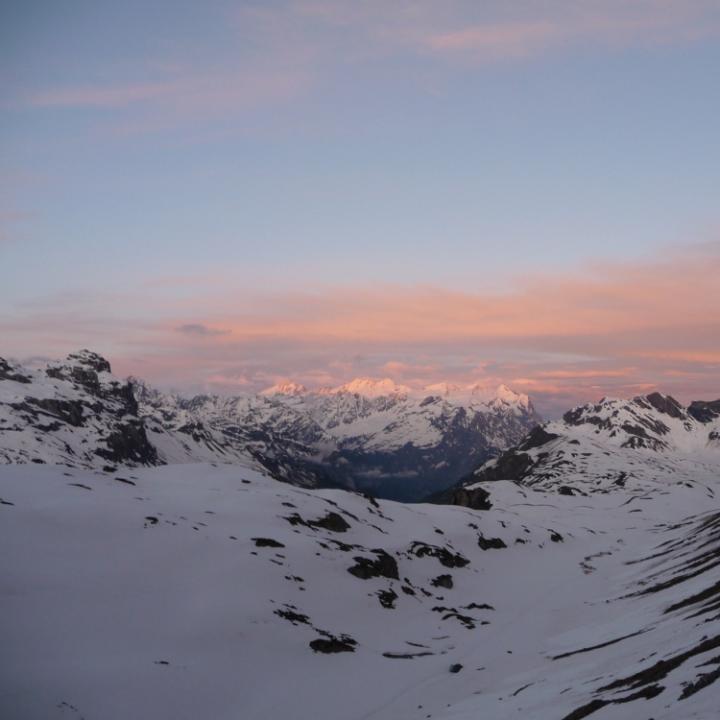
column 666, row 404
column 475, row 498
column 704, row 412
column 128, row 444
column 333, row 644
column 537, row 437
column 511, row 465
column 8, row 372
column 383, row 565
column 81, row 368
column 91, row 360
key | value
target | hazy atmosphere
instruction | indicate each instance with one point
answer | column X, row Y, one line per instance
column 218, row 196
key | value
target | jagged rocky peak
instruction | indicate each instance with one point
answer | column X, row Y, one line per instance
column 499, row 397
column 82, row 367
column 285, row 388
column 665, row 404
column 501, row 392
column 88, row 358
column 370, row 387
column 470, row 395
column 506, row 396
column 443, row 389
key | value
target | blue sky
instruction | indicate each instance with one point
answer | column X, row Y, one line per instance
column 292, row 146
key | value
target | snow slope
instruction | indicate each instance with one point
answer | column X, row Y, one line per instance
column 197, row 591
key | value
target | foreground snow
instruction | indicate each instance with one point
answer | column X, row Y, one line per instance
column 196, row 591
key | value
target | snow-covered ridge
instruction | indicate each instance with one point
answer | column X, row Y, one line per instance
column 367, row 387
column 372, row 388
column 285, row 388
column 599, row 447
column 654, row 421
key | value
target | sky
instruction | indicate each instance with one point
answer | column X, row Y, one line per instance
column 218, row 196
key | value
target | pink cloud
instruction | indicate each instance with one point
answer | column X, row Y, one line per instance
column 571, row 374
column 284, row 50
column 510, row 40
column 603, row 330
column 561, row 24
column 102, row 96
column 647, row 308
column 158, row 105
column 488, row 31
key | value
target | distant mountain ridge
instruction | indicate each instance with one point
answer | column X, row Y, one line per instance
column 370, row 435
column 464, row 394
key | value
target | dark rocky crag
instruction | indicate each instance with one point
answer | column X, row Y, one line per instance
column 90, row 418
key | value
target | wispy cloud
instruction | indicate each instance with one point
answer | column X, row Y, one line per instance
column 284, row 50
column 499, row 41
column 185, row 100
column 103, row 96
column 559, row 25
column 200, row 330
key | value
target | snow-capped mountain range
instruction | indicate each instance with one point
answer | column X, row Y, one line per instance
column 573, row 576
column 371, row 435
